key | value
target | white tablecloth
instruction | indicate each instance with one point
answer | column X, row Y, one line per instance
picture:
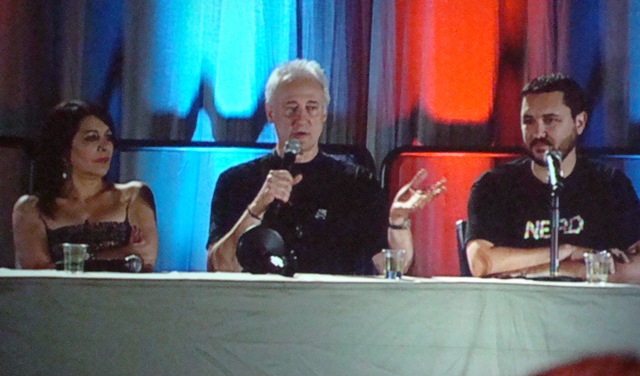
column 240, row 324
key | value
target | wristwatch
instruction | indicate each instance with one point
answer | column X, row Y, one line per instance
column 403, row 226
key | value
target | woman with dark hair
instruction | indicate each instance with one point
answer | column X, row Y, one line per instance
column 72, row 201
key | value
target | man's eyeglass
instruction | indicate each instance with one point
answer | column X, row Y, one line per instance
column 312, row 110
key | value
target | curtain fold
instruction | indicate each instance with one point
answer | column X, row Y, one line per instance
column 423, row 72
column 29, row 67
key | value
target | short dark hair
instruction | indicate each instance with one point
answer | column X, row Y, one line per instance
column 573, row 96
column 53, row 148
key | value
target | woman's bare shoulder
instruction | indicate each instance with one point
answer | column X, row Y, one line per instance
column 130, row 190
column 26, row 210
column 135, row 189
column 134, row 185
column 26, row 204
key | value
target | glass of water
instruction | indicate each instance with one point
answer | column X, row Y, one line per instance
column 74, row 256
column 597, row 266
column 393, row 263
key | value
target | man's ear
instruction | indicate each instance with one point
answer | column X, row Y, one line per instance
column 269, row 112
column 581, row 122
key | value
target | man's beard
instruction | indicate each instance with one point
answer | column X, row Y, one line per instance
column 564, row 148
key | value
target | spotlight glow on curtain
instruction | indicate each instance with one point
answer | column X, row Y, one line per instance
column 451, row 65
column 253, row 35
column 463, row 41
column 175, row 55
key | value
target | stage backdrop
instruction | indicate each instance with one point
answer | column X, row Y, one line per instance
column 424, row 72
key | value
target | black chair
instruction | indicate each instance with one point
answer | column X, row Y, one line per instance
column 461, row 230
column 351, row 153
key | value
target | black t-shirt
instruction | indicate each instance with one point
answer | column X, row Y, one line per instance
column 335, row 219
column 599, row 208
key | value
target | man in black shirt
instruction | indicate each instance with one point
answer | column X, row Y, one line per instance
column 333, row 214
column 509, row 207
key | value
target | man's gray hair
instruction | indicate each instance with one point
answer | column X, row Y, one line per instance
column 292, row 70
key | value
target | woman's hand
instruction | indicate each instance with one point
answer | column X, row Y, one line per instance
column 136, row 237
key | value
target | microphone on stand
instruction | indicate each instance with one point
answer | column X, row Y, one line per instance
column 554, row 160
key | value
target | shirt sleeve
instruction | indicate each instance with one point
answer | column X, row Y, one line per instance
column 220, row 221
column 484, row 210
column 627, row 206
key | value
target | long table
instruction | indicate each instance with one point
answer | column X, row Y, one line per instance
column 56, row 323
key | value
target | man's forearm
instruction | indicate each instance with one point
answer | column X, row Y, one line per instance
column 567, row 268
column 486, row 259
column 222, row 257
column 402, row 239
column 222, row 254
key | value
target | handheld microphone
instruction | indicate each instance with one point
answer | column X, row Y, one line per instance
column 291, row 149
column 554, row 159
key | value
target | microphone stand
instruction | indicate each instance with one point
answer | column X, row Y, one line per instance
column 554, row 254
column 554, row 163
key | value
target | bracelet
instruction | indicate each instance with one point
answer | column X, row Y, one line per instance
column 252, row 214
column 404, row 226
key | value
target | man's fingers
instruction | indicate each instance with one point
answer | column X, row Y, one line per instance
column 438, row 188
column 418, row 178
column 619, row 256
column 634, row 249
column 278, row 185
column 422, row 201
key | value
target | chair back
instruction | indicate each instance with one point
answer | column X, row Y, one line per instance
column 461, row 230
